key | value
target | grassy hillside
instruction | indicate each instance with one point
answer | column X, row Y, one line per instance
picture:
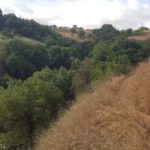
column 72, row 36
column 114, row 116
column 145, row 36
column 75, row 36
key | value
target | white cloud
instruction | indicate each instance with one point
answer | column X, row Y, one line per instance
column 86, row 13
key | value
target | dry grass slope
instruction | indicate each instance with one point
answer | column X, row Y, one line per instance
column 144, row 37
column 116, row 116
column 73, row 36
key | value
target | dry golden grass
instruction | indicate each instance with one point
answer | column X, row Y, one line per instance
column 144, row 37
column 73, row 36
column 115, row 116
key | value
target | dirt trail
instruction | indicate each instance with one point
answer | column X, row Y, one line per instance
column 116, row 116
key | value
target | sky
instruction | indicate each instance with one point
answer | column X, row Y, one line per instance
column 122, row 14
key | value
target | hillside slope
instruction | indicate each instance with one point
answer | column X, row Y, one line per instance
column 143, row 37
column 116, row 116
column 74, row 36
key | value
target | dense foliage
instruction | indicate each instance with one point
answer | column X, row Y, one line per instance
column 112, row 58
column 28, row 107
column 41, row 72
column 24, row 57
column 107, row 32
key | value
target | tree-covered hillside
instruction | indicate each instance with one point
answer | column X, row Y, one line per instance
column 41, row 72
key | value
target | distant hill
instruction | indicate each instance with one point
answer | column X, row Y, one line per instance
column 114, row 116
column 10, row 24
column 26, row 35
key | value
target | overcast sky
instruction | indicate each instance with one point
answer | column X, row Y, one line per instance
column 86, row 13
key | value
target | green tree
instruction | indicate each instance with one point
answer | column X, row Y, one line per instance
column 73, row 30
column 1, row 18
column 62, row 79
column 1, row 13
column 25, row 57
column 82, row 75
column 8, row 33
column 106, row 33
column 25, row 110
column 102, row 51
column 18, row 67
column 59, row 57
column 81, row 33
